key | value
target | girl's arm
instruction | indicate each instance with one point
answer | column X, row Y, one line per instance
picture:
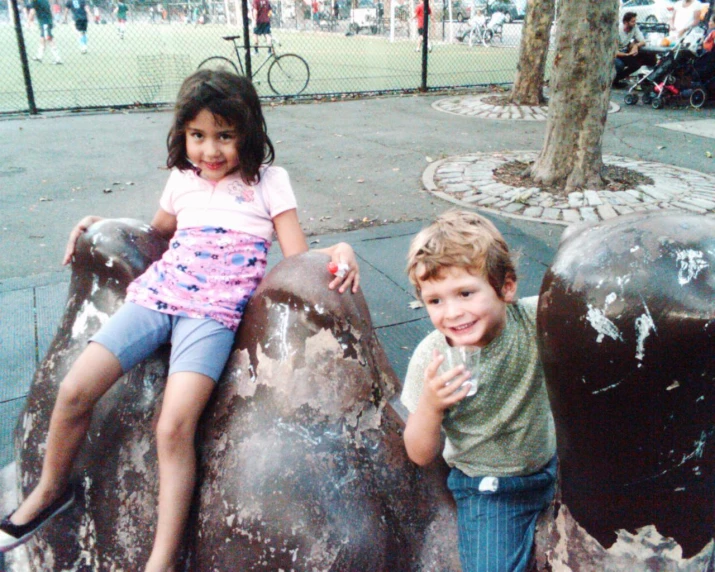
column 164, row 223
column 423, row 430
column 292, row 241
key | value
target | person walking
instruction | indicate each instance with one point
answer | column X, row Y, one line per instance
column 41, row 10
column 262, row 12
column 121, row 10
column 80, row 15
column 420, row 18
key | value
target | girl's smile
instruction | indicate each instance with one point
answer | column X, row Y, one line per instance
column 211, row 145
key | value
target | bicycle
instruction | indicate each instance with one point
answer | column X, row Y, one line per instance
column 479, row 33
column 288, row 74
column 475, row 32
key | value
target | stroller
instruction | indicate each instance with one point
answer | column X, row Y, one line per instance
column 675, row 76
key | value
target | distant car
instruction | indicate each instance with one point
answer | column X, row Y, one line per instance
column 650, row 11
column 506, row 7
column 364, row 16
column 461, row 11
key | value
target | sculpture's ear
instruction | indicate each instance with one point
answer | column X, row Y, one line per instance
column 120, row 249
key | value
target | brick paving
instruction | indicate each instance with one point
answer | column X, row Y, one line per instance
column 468, row 181
column 473, row 106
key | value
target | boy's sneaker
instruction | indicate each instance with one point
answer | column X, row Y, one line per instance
column 57, row 63
column 37, row 59
column 13, row 535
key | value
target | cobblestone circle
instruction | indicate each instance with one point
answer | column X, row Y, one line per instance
column 468, row 181
column 472, row 106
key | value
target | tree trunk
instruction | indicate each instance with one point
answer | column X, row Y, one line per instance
column 580, row 90
column 535, row 37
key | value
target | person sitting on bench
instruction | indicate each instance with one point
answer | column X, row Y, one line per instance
column 629, row 58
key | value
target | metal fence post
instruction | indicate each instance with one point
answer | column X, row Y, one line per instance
column 246, row 39
column 23, row 58
column 425, row 40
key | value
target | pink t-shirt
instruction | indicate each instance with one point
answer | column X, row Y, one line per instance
column 217, row 256
column 230, row 203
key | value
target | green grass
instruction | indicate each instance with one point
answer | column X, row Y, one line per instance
column 148, row 66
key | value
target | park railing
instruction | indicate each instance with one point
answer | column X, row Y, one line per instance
column 349, row 50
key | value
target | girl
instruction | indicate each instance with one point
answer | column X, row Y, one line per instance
column 221, row 205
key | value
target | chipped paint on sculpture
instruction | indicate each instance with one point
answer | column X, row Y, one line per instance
column 634, row 405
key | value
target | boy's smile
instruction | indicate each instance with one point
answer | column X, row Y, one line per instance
column 211, row 145
column 465, row 308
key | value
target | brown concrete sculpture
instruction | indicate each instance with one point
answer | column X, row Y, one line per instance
column 302, row 463
column 627, row 333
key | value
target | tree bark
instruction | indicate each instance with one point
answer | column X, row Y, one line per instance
column 571, row 157
column 536, row 34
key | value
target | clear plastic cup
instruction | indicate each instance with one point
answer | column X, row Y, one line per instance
column 469, row 358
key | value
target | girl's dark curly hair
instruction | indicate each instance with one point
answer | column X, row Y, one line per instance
column 233, row 100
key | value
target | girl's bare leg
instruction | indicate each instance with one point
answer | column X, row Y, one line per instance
column 91, row 375
column 185, row 398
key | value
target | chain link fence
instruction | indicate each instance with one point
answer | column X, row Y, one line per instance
column 350, row 46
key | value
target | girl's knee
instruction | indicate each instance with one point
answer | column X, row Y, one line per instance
column 74, row 398
column 173, row 432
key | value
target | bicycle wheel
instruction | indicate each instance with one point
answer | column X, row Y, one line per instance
column 487, row 38
column 473, row 37
column 219, row 63
column 288, row 75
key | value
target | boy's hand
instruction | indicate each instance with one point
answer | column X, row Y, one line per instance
column 77, row 231
column 439, row 392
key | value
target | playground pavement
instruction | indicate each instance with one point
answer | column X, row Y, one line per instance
column 364, row 171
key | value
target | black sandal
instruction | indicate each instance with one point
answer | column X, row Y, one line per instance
column 13, row 535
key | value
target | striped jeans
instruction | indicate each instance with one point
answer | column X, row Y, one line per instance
column 496, row 526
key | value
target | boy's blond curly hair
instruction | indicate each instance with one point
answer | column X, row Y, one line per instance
column 460, row 239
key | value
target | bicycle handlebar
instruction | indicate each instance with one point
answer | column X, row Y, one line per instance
column 230, row 38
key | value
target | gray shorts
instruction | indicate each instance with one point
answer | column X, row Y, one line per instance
column 199, row 345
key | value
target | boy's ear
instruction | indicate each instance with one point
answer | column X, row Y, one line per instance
column 508, row 291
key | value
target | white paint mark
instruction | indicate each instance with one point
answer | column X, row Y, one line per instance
column 610, row 299
column 674, row 385
column 607, row 388
column 690, row 263
column 109, row 263
column 602, row 325
column 623, row 280
column 635, row 248
column 644, row 325
column 86, row 312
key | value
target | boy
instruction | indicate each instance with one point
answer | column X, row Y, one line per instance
column 500, row 442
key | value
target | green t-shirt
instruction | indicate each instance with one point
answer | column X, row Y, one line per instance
column 506, row 429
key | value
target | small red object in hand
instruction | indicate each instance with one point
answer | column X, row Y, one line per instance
column 339, row 270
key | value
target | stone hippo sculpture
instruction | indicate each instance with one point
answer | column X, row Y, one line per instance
column 302, row 465
column 626, row 324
